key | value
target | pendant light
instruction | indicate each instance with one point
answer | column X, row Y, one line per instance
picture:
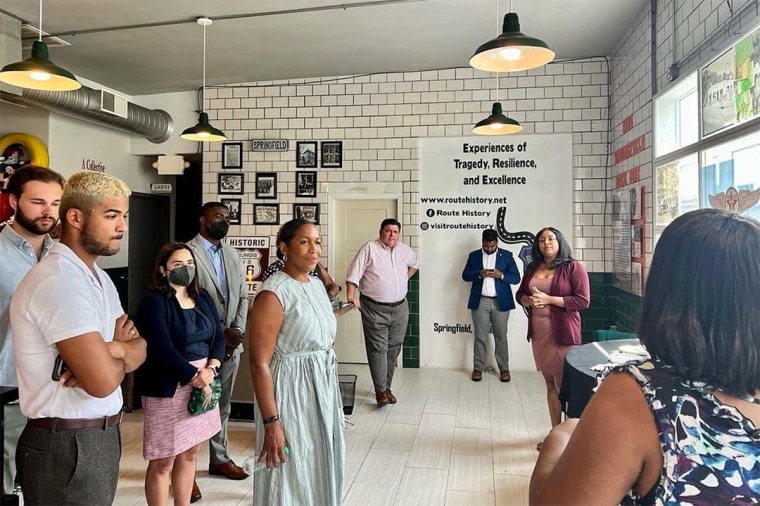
column 38, row 72
column 512, row 50
column 203, row 131
column 497, row 123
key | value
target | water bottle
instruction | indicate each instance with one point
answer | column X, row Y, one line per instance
column 252, row 464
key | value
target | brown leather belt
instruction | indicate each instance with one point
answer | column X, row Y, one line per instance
column 77, row 423
column 386, row 304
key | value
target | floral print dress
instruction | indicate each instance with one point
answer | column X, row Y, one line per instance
column 709, row 455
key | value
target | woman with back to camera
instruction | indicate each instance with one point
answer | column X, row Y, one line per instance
column 179, row 321
column 554, row 289
column 292, row 328
column 683, row 427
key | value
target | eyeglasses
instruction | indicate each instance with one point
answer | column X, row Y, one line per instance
column 544, row 240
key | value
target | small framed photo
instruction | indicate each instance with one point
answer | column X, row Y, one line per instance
column 332, row 154
column 306, row 184
column 266, row 214
column 232, row 155
column 231, row 184
column 234, row 206
column 306, row 154
column 308, row 212
column 266, row 185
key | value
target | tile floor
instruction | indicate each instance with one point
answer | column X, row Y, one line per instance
column 448, row 441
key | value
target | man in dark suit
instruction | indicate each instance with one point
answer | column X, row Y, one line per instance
column 491, row 270
column 220, row 271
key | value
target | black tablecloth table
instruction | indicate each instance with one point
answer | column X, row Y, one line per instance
column 578, row 380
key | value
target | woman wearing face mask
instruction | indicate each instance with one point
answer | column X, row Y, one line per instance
column 185, row 348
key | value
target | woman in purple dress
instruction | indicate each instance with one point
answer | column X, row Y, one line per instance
column 554, row 290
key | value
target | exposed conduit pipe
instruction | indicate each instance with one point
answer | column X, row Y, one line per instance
column 653, row 45
column 155, row 125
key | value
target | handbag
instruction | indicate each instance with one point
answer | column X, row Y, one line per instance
column 197, row 403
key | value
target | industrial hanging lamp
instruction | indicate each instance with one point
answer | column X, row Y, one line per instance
column 38, row 72
column 203, row 131
column 512, row 50
column 497, row 123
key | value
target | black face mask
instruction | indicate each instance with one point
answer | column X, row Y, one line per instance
column 218, row 230
column 182, row 275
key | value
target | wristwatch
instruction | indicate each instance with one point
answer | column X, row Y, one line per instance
column 214, row 368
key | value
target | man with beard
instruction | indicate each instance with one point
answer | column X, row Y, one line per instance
column 220, row 271
column 34, row 195
column 73, row 345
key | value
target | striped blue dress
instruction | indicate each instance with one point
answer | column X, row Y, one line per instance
column 305, row 379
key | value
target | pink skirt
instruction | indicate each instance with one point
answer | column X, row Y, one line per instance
column 168, row 427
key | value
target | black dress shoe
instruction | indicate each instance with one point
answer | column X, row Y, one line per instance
column 195, row 495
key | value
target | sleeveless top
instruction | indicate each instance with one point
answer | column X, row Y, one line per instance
column 709, row 456
column 305, row 380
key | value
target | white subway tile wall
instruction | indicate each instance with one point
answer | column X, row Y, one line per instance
column 631, row 74
column 380, row 118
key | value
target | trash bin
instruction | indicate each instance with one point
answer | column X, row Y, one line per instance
column 347, row 384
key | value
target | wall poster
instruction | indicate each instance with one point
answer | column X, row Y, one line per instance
column 515, row 184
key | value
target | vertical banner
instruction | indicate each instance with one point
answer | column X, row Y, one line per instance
column 254, row 251
column 515, row 184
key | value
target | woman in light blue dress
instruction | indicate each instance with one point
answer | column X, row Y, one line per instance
column 295, row 375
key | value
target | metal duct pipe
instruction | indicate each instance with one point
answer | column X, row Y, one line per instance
column 155, row 125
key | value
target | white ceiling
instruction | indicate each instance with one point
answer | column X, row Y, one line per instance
column 277, row 39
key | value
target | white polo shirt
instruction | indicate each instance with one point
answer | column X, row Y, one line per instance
column 59, row 299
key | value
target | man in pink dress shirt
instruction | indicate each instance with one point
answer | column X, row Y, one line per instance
column 381, row 271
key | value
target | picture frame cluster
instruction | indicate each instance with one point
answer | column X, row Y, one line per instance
column 309, row 155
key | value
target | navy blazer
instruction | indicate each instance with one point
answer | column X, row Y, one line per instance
column 506, row 264
column 161, row 323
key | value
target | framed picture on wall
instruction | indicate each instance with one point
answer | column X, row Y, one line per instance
column 230, row 184
column 235, row 206
column 266, row 185
column 232, row 155
column 266, row 214
column 332, row 154
column 306, row 154
column 308, row 212
column 306, row 184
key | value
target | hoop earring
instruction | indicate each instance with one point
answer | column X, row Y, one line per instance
column 284, row 258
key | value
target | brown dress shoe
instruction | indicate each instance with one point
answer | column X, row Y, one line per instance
column 477, row 375
column 382, row 399
column 228, row 469
column 391, row 397
column 195, row 495
column 505, row 376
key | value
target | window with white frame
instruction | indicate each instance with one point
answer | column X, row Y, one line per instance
column 729, row 175
column 677, row 117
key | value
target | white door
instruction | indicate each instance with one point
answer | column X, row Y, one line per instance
column 356, row 222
